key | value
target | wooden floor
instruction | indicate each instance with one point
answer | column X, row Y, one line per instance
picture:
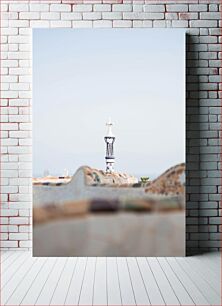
column 30, row 280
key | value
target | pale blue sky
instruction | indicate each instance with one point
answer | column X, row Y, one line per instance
column 83, row 76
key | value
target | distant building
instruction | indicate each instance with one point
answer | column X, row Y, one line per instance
column 109, row 139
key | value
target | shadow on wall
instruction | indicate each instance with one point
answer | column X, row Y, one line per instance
column 193, row 171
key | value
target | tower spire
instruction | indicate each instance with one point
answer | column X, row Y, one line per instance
column 109, row 140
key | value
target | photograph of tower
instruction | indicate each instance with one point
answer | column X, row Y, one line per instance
column 109, row 142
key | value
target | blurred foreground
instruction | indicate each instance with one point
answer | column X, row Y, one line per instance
column 99, row 214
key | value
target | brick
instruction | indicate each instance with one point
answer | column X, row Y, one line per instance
column 24, row 212
column 187, row 16
column 9, row 142
column 29, row 15
column 197, row 7
column 60, row 8
column 9, row 126
column 60, row 24
column 180, row 23
column 9, row 212
column 208, row 205
column 92, row 15
column 37, row 7
column 24, row 229
column 213, row 7
column 82, row 8
column 19, row 102
column 122, row 7
column 9, row 173
column 9, row 94
column 177, row 8
column 4, row 7
column 82, row 24
column 112, row 15
column 9, row 63
column 71, row 16
column 9, row 244
column 19, row 71
column 208, row 212
column 207, row 15
column 13, row 158
column 215, row 220
column 122, row 23
column 102, row 7
column 19, row 220
column 18, row 236
column 25, row 244
column 51, row 15
column 203, row 23
column 171, row 16
column 18, row 7
column 19, row 118
column 215, row 236
column 154, row 8
column 9, row 31
column 135, row 15
column 215, row 63
column 18, row 23
column 39, row 24
column 216, row 31
column 138, row 23
column 161, row 23
column 137, row 7
column 4, row 236
column 208, row 39
column 102, row 23
column 199, row 236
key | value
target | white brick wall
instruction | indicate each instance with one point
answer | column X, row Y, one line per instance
column 200, row 17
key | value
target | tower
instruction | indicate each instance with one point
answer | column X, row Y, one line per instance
column 109, row 140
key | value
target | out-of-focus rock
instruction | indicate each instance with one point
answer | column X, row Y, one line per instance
column 104, row 205
column 75, row 208
column 170, row 182
column 100, row 177
column 67, row 209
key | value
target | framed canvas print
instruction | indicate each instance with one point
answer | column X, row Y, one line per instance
column 109, row 142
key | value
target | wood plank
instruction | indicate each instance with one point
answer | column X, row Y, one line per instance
column 10, row 261
column 139, row 288
column 208, row 292
column 23, row 287
column 210, row 262
column 33, row 293
column 191, row 288
column 112, row 281
column 180, row 291
column 75, row 286
column 210, row 277
column 100, row 284
column 47, row 292
column 152, row 288
column 13, row 269
column 62, row 287
column 126, row 289
column 4, row 255
column 113, row 286
column 86, row 294
column 165, row 287
column 17, row 278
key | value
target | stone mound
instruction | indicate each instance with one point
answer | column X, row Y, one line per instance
column 95, row 177
column 170, row 182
